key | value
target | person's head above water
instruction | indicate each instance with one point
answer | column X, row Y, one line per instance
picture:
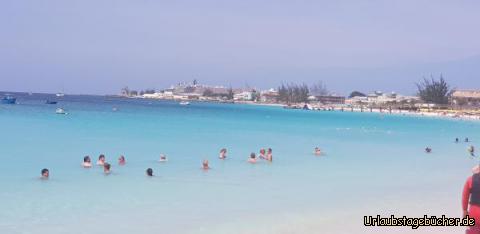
column 106, row 167
column 262, row 151
column 86, row 159
column 205, row 164
column 223, row 153
column 121, row 160
column 253, row 156
column 45, row 173
column 269, row 150
column 149, row 172
column 101, row 158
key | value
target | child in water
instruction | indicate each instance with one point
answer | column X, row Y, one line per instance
column 317, row 151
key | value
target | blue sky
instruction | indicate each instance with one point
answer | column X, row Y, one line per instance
column 97, row 47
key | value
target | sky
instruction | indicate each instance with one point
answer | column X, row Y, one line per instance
column 100, row 46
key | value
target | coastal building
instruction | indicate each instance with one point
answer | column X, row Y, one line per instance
column 269, row 96
column 243, row 96
column 331, row 99
column 466, row 97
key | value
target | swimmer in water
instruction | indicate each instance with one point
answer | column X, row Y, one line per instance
column 467, row 140
column 262, row 154
column 456, row 140
column 45, row 174
column 101, row 160
column 149, row 172
column 205, row 165
column 428, row 150
column 252, row 159
column 87, row 162
column 121, row 160
column 471, row 150
column 163, row 158
column 317, row 151
column 223, row 154
column 270, row 154
column 106, row 168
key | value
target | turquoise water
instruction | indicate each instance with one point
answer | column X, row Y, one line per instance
column 374, row 164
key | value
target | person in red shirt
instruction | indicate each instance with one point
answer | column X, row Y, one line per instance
column 471, row 200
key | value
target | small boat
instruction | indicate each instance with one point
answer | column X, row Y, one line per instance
column 60, row 111
column 50, row 102
column 9, row 100
column 60, row 94
column 184, row 103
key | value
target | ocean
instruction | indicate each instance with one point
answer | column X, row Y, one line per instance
column 372, row 164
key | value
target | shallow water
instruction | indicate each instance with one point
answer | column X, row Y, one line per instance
column 374, row 164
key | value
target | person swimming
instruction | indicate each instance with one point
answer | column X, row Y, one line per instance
column 101, row 160
column 317, row 151
column 262, row 154
column 106, row 168
column 457, row 140
column 149, row 172
column 223, row 154
column 253, row 158
column 205, row 165
column 466, row 139
column 471, row 150
column 163, row 158
column 270, row 154
column 428, row 150
column 45, row 174
column 87, row 162
column 121, row 160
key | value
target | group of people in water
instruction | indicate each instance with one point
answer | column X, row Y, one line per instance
column 264, row 154
column 470, row 149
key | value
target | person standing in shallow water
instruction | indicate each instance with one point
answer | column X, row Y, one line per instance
column 270, row 154
column 121, row 160
column 205, row 165
column 471, row 201
column 106, row 168
column 87, row 162
column 101, row 160
column 45, row 174
column 149, row 172
column 253, row 158
column 262, row 154
column 223, row 154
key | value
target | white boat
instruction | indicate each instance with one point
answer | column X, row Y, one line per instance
column 184, row 103
column 60, row 111
column 60, row 94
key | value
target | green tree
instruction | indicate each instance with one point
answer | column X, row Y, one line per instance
column 230, row 93
column 356, row 94
column 207, row 93
column 434, row 91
